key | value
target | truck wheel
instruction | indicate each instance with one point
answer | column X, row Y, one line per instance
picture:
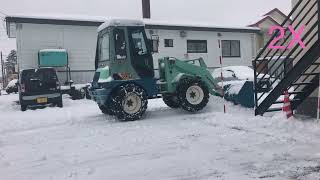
column 106, row 110
column 130, row 102
column 23, row 107
column 60, row 104
column 82, row 93
column 193, row 94
column 171, row 101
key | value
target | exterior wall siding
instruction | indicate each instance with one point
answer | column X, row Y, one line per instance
column 80, row 42
column 248, row 46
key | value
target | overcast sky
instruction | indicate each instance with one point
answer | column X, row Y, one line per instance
column 218, row 12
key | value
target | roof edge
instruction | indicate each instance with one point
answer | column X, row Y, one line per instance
column 52, row 21
column 97, row 23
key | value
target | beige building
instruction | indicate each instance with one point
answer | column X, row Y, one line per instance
column 275, row 17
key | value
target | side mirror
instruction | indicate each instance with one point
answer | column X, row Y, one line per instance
column 154, row 43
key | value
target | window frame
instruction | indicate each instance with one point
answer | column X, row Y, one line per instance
column 144, row 45
column 197, row 41
column 100, row 50
column 168, row 44
column 230, row 48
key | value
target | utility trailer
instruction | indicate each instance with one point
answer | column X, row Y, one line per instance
column 58, row 58
column 125, row 74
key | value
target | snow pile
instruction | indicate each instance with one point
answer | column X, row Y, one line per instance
column 12, row 83
column 237, row 72
column 234, row 87
column 79, row 142
column 109, row 79
column 53, row 50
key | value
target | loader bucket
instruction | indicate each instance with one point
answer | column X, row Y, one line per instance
column 241, row 93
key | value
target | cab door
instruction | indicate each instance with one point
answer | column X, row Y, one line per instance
column 141, row 60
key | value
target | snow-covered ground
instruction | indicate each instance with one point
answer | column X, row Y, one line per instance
column 79, row 143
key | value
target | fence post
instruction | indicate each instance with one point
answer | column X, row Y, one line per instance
column 254, row 63
column 2, row 70
column 318, row 105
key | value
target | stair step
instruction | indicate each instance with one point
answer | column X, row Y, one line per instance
column 295, row 92
column 299, row 84
column 292, row 100
column 274, row 109
column 310, row 74
column 316, row 63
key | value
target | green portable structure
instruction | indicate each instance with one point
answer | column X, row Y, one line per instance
column 53, row 58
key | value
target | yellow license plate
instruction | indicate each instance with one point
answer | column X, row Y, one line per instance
column 42, row 100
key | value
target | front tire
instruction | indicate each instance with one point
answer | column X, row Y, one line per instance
column 171, row 101
column 130, row 102
column 106, row 110
column 193, row 94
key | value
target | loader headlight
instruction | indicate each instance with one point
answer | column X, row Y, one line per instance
column 162, row 65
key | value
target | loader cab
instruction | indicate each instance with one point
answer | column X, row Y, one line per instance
column 123, row 47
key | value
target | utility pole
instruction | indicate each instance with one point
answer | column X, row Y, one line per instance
column 146, row 12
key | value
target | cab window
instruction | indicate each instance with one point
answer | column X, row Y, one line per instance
column 139, row 43
column 120, row 44
column 104, row 52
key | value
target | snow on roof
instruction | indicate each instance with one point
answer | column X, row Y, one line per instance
column 262, row 20
column 120, row 22
column 193, row 24
column 65, row 17
column 268, row 16
column 98, row 20
column 53, row 50
column 241, row 72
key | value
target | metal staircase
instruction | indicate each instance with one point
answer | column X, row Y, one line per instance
column 296, row 69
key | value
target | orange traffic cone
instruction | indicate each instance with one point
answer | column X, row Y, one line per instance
column 286, row 105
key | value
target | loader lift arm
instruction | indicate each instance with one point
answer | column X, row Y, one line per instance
column 172, row 70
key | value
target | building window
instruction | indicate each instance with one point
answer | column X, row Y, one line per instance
column 168, row 43
column 197, row 46
column 231, row 48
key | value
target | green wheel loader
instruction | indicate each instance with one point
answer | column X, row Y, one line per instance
column 125, row 75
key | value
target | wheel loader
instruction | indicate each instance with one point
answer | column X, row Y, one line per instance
column 125, row 76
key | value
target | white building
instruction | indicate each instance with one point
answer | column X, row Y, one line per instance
column 79, row 36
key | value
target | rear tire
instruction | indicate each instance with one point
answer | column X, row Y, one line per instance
column 171, row 101
column 193, row 94
column 130, row 102
column 23, row 107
